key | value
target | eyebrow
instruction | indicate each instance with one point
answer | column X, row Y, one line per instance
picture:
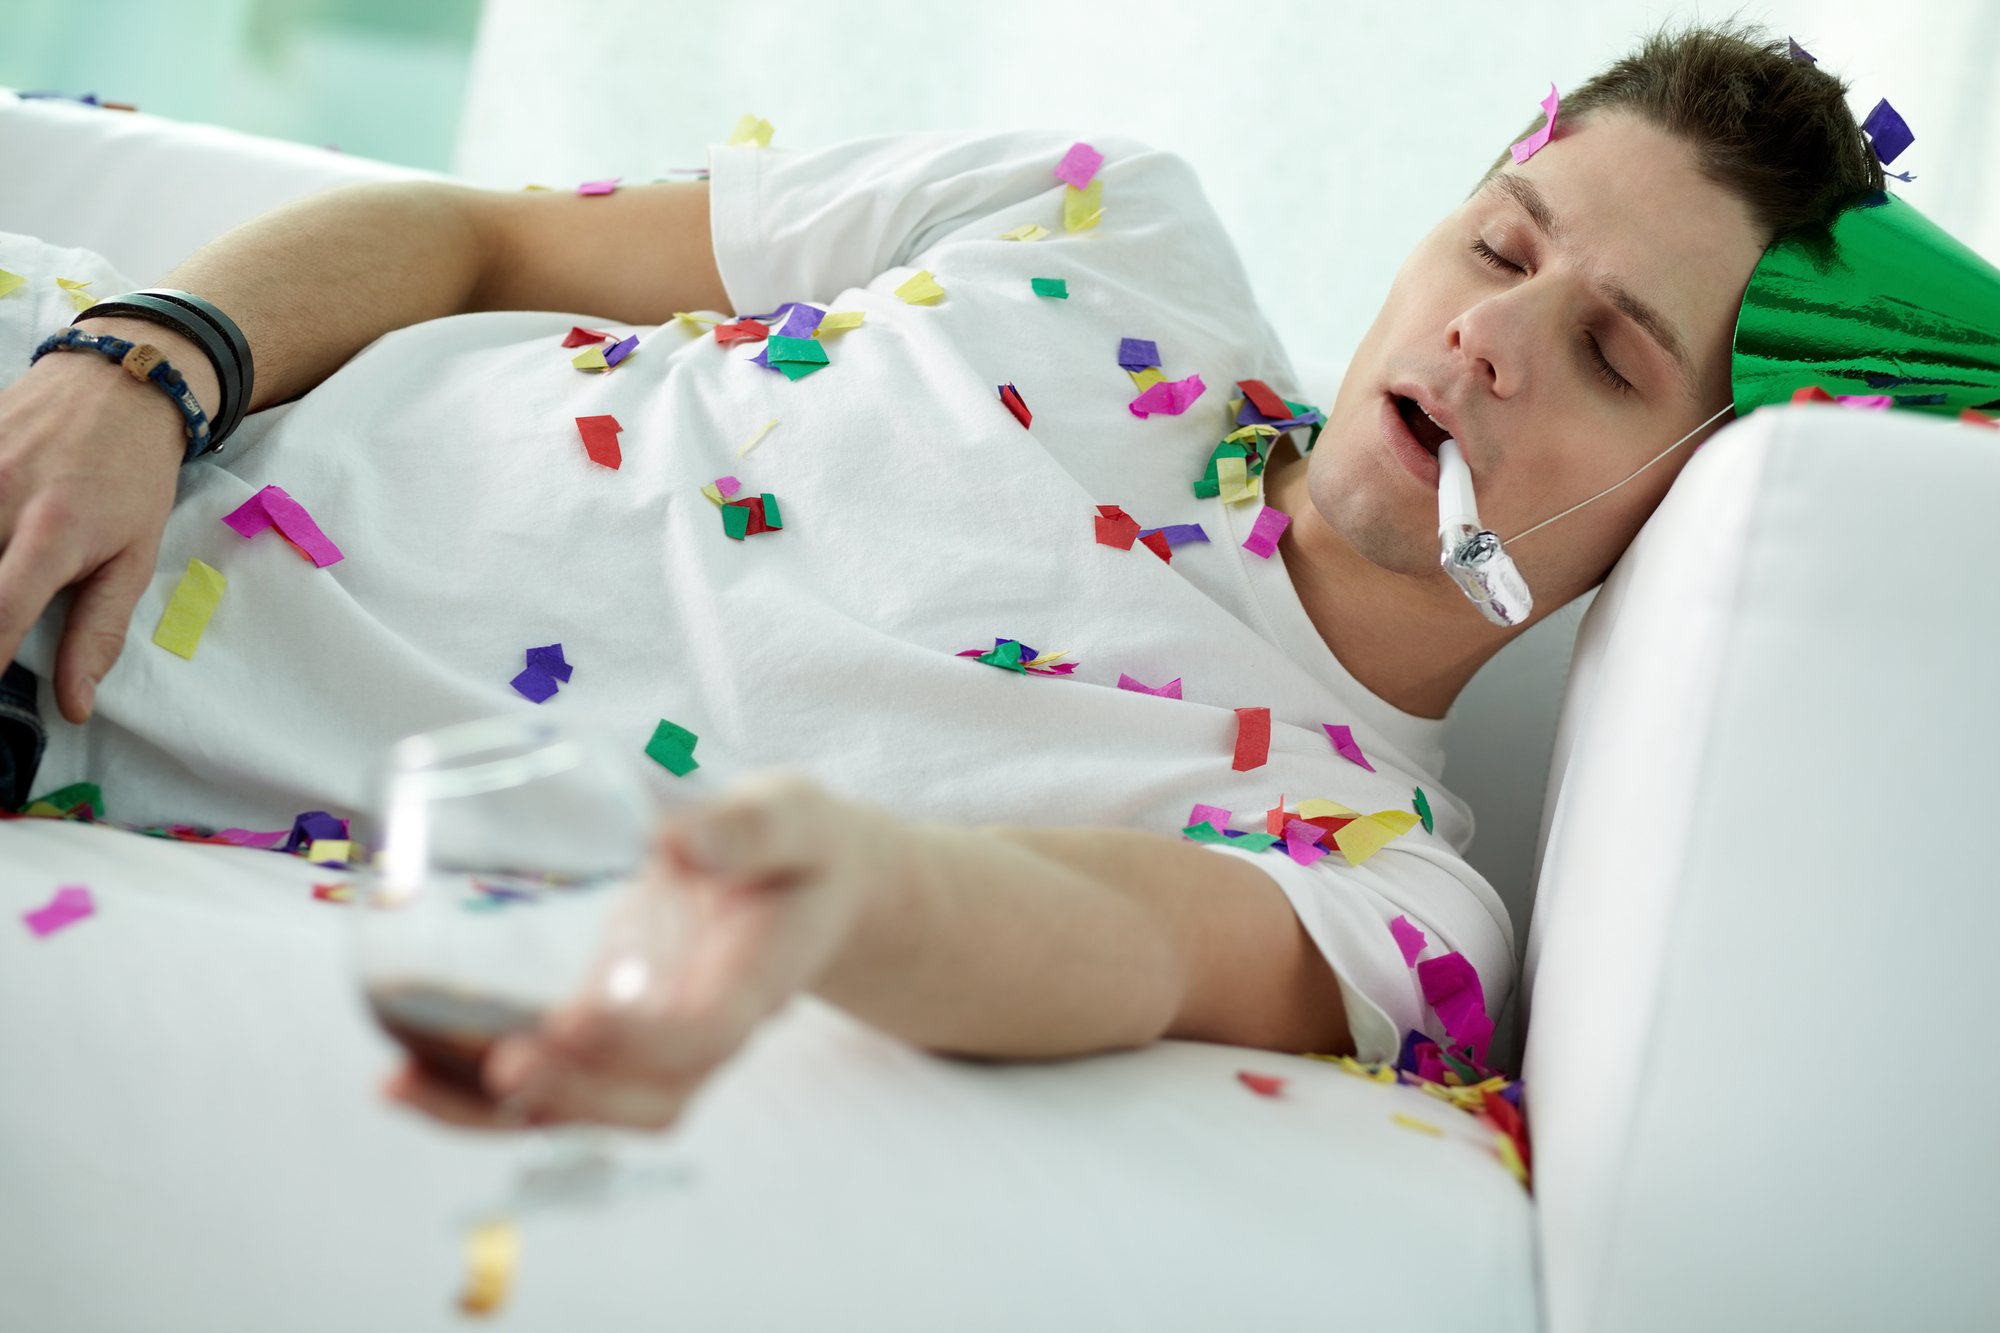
column 1650, row 321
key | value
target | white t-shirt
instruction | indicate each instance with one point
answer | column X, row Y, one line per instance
column 919, row 519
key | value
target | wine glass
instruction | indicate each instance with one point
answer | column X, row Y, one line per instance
column 510, row 880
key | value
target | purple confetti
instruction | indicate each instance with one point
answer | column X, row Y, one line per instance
column 1138, row 353
column 550, row 661
column 1800, row 53
column 1888, row 132
column 802, row 322
column 618, row 351
column 313, row 825
column 1177, row 533
column 536, row 684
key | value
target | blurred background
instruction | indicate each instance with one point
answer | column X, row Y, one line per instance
column 1329, row 136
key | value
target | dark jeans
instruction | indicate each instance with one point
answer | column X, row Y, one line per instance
column 22, row 737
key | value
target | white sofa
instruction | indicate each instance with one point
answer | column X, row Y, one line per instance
column 1757, row 924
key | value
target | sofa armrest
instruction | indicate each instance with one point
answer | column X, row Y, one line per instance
column 146, row 192
column 1765, row 899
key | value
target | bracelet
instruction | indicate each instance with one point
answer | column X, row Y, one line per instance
column 143, row 362
column 208, row 327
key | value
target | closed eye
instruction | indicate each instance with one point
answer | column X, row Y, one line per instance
column 1494, row 258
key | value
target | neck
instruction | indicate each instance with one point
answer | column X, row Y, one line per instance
column 1413, row 640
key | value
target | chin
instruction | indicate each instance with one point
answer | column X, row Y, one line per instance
column 1370, row 508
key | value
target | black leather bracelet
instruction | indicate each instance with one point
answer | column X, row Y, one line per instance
column 215, row 333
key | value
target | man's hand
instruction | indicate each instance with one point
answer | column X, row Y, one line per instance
column 768, row 883
column 88, row 460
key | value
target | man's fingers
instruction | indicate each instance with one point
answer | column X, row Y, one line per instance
column 561, row 1091
column 773, row 825
column 99, row 615
column 441, row 1102
column 34, row 566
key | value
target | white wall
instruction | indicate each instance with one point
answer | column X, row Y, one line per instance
column 1329, row 137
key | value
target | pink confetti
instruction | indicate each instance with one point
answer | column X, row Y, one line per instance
column 1870, row 402
column 1079, row 165
column 71, row 904
column 1170, row 690
column 273, row 507
column 1537, row 141
column 727, row 486
column 243, row 837
column 599, row 187
column 1171, row 397
column 1408, row 938
column 1452, row 990
column 1345, row 745
column 1208, row 814
column 1302, row 841
column 1264, row 533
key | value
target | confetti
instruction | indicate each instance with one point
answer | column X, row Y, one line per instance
column 1234, row 482
column 750, row 516
column 1408, row 938
column 1013, row 655
column 188, row 611
column 1079, row 166
column 71, row 904
column 1421, row 1126
column 1451, row 988
column 1253, row 739
column 1266, row 402
column 590, row 358
column 751, row 130
column 600, row 439
column 1422, row 806
column 796, row 358
column 840, row 321
column 920, row 288
column 10, row 282
column 78, row 297
column 581, row 337
column 1535, row 142
column 618, row 351
column 1345, row 745
column 743, row 330
column 1031, row 231
column 1138, row 353
column 1082, row 209
column 1303, row 841
column 1265, row 532
column 1171, row 397
column 1887, row 131
column 752, row 442
column 1170, row 690
column 1011, row 396
column 1058, row 288
column 1798, row 52
column 599, row 187
column 1114, row 527
column 333, row 893
column 273, row 507
column 1176, row 534
column 534, row 684
column 1157, row 544
column 672, row 748
column 1264, row 1085
column 492, row 1251
column 332, row 851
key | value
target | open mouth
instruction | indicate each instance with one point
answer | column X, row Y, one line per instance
column 1427, row 432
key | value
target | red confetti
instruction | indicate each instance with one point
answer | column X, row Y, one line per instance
column 1156, row 542
column 579, row 337
column 1812, row 393
column 1115, row 527
column 755, row 504
column 333, row 893
column 600, row 439
column 743, row 330
column 1973, row 416
column 1264, row 1085
column 1012, row 398
column 1266, row 402
column 1253, row 739
column 1275, row 817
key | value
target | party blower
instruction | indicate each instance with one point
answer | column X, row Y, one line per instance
column 1887, row 310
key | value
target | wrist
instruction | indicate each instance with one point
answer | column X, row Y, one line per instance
column 182, row 353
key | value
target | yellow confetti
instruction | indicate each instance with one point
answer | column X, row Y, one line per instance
column 46, row 808
column 1046, row 658
column 1510, row 1157
column 78, row 297
column 839, row 321
column 10, row 281
column 325, row 850
column 1082, row 208
column 692, row 322
column 1321, row 809
column 762, row 431
column 1249, row 432
column 187, row 613
column 492, row 1250
column 590, row 358
column 920, row 288
column 750, row 129
column 1147, row 378
column 1375, row 1073
column 1032, row 231
column 535, row 187
column 1369, row 834
column 1234, row 481
column 1421, row 1126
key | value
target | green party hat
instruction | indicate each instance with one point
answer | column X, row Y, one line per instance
column 1891, row 306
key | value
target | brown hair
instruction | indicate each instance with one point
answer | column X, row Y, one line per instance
column 1773, row 131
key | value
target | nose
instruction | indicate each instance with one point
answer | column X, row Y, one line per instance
column 1490, row 343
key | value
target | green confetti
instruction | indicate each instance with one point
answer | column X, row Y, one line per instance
column 1006, row 654
column 736, row 521
column 672, row 748
column 1056, row 287
column 771, row 519
column 796, row 349
column 1423, row 809
column 1204, row 832
column 68, row 798
column 1249, row 842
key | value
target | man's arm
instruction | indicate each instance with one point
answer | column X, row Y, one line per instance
column 1048, row 942
column 315, row 281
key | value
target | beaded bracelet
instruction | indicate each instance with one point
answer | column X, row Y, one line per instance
column 143, row 362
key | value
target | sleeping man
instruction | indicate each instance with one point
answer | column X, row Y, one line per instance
column 970, row 843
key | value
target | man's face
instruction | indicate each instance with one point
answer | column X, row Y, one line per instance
column 1538, row 323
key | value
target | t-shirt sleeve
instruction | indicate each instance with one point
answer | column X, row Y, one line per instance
column 1347, row 910
column 806, row 226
